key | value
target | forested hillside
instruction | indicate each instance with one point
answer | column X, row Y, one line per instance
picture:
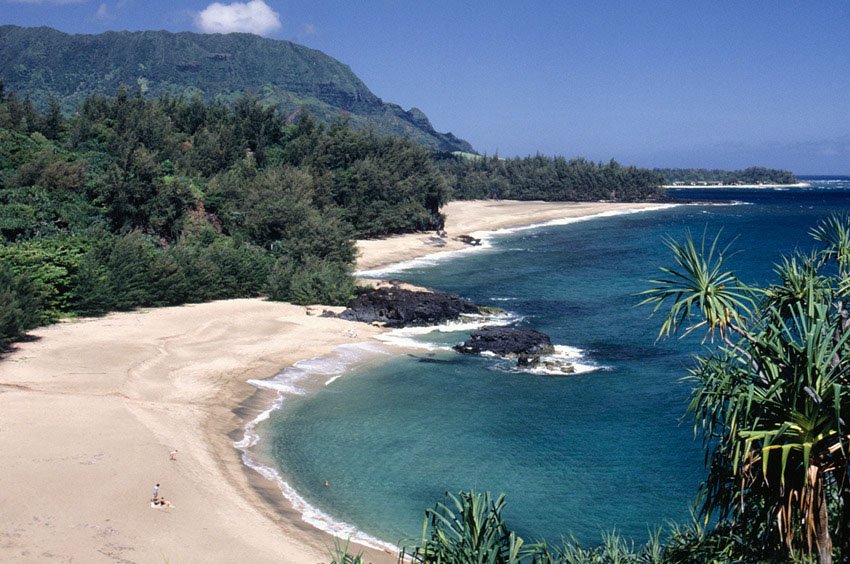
column 46, row 63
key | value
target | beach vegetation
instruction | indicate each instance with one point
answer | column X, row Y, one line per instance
column 771, row 395
column 134, row 202
column 19, row 305
column 340, row 555
column 468, row 528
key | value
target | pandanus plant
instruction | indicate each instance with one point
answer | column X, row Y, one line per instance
column 771, row 398
column 468, row 529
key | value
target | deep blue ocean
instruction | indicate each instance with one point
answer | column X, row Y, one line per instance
column 607, row 449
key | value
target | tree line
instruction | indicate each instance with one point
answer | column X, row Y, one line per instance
column 547, row 178
column 135, row 202
column 751, row 175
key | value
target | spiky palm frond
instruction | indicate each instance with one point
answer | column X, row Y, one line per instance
column 469, row 529
column 834, row 233
column 800, row 282
column 699, row 287
column 695, row 541
column 775, row 420
column 339, row 553
column 802, row 411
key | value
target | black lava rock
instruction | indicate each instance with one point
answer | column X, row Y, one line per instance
column 527, row 344
column 397, row 307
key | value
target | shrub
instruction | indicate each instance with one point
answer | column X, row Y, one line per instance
column 19, row 304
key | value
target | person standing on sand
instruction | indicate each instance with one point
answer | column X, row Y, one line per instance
column 155, row 493
column 172, row 455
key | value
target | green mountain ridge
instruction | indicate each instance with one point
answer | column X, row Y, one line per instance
column 43, row 63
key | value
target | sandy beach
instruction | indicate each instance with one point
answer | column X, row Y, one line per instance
column 91, row 408
column 90, row 411
column 471, row 217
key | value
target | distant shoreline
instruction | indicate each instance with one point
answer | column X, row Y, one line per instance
column 474, row 218
column 689, row 186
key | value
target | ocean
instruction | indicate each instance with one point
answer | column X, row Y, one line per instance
column 609, row 448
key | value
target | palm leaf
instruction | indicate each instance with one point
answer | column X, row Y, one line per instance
column 701, row 291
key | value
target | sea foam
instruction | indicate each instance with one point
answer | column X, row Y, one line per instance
column 313, row 515
column 410, row 337
column 566, row 354
column 292, row 382
column 563, row 355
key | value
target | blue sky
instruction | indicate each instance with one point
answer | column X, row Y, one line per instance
column 703, row 83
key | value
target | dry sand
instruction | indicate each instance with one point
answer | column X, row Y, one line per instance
column 90, row 409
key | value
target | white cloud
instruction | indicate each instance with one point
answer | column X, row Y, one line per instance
column 252, row 17
column 102, row 12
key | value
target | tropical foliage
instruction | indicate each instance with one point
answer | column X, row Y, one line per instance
column 19, row 305
column 772, row 396
column 339, row 553
column 468, row 528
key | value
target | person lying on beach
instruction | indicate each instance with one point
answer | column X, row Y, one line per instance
column 162, row 502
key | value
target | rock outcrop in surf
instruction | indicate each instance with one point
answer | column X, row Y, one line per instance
column 521, row 342
column 402, row 307
column 528, row 346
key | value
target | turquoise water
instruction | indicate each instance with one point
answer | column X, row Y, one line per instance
column 606, row 449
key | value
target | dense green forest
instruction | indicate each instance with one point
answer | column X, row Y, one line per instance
column 752, row 175
column 135, row 201
column 48, row 64
column 547, row 178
